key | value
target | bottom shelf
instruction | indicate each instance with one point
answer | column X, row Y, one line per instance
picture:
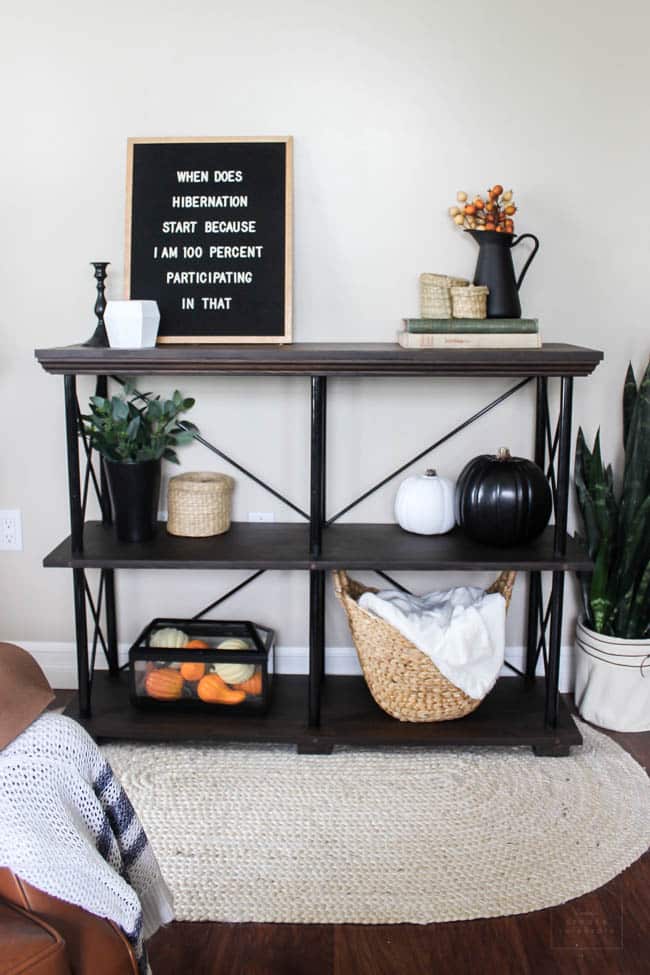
column 512, row 714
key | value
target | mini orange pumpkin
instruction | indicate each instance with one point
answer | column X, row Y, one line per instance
column 253, row 685
column 213, row 690
column 164, row 684
column 196, row 645
column 192, row 671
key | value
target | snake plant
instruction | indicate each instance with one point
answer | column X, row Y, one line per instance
column 616, row 594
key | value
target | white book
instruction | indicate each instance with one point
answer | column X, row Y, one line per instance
column 469, row 340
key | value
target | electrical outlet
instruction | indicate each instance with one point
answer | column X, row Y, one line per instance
column 11, row 535
column 261, row 516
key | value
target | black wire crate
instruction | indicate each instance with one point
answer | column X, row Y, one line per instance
column 220, row 665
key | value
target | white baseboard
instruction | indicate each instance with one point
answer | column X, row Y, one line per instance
column 344, row 660
column 58, row 660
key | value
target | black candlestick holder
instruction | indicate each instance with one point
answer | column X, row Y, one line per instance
column 99, row 338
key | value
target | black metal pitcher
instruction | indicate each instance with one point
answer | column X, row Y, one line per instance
column 495, row 270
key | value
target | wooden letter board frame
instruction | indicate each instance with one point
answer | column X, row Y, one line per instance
column 143, row 229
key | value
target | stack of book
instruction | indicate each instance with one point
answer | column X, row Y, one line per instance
column 470, row 333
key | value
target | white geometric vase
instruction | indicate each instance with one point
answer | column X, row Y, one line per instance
column 132, row 324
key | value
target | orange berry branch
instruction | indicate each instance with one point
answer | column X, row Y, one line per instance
column 492, row 212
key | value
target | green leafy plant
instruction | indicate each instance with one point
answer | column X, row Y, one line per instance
column 616, row 594
column 138, row 426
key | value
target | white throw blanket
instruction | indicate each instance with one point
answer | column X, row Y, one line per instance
column 67, row 827
column 462, row 630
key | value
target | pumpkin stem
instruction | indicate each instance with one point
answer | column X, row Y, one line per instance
column 430, row 473
column 503, row 454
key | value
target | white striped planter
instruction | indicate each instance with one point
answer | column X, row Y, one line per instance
column 612, row 686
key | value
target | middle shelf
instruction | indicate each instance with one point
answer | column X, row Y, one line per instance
column 285, row 545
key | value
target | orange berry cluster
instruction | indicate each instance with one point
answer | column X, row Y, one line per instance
column 494, row 211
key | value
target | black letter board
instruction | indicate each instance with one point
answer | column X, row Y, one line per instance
column 208, row 236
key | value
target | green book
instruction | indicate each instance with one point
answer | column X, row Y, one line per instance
column 492, row 325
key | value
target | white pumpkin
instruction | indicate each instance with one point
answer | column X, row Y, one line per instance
column 233, row 673
column 168, row 636
column 425, row 504
column 233, row 643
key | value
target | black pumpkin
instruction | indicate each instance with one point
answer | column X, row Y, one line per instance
column 502, row 500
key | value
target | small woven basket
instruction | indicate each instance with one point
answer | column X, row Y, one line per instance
column 442, row 281
column 198, row 504
column 435, row 297
column 403, row 681
column 469, row 302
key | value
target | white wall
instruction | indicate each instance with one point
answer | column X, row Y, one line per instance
column 392, row 108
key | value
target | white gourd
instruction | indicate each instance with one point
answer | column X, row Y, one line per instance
column 425, row 504
column 233, row 643
column 233, row 673
column 168, row 637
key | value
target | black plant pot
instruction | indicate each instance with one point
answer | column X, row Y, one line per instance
column 134, row 490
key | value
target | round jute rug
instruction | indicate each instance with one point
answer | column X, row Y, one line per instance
column 247, row 833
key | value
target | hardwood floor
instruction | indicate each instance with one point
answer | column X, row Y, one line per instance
column 603, row 933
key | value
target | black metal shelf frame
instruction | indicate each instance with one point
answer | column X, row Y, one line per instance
column 552, row 453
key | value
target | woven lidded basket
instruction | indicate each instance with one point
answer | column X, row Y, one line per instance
column 198, row 504
column 403, row 681
column 469, row 302
column 435, row 297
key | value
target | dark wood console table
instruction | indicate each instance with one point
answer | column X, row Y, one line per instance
column 316, row 712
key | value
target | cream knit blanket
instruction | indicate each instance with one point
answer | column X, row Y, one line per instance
column 461, row 630
column 68, row 828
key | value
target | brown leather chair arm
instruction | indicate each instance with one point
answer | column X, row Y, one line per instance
column 95, row 946
column 29, row 946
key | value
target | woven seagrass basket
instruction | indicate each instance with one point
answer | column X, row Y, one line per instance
column 435, row 296
column 470, row 302
column 198, row 504
column 404, row 681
